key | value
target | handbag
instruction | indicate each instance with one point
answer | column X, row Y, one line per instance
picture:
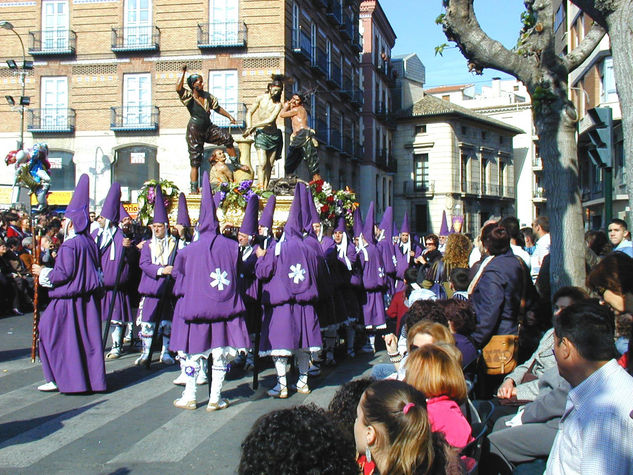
column 501, row 353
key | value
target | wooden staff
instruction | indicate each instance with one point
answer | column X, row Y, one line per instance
column 36, row 311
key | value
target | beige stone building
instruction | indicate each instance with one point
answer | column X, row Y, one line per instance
column 102, row 90
column 455, row 160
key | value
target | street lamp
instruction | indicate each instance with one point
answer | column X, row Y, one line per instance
column 21, row 72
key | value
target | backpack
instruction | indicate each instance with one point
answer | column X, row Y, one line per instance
column 437, row 288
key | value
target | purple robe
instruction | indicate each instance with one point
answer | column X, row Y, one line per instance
column 374, row 282
column 249, row 287
column 70, row 328
column 404, row 262
column 153, row 287
column 342, row 279
column 122, row 311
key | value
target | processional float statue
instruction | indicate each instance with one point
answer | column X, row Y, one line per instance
column 31, row 171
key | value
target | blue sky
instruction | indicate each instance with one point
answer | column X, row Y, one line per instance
column 414, row 24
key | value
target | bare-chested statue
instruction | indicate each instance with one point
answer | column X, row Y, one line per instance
column 219, row 172
column 200, row 128
column 268, row 138
column 303, row 144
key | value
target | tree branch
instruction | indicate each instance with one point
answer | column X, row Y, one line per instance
column 575, row 58
column 589, row 7
column 461, row 26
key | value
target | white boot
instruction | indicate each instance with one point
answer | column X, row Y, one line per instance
column 188, row 398
column 202, row 375
column 48, row 387
column 218, row 371
column 280, row 391
column 181, row 380
column 117, row 343
column 165, row 356
column 303, row 363
column 145, row 333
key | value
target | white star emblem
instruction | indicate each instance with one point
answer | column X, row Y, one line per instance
column 381, row 272
column 219, row 279
column 297, row 274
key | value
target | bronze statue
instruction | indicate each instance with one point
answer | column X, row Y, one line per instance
column 200, row 129
column 268, row 138
column 303, row 144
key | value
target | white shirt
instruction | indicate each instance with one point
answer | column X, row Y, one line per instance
column 520, row 252
column 595, row 435
column 541, row 250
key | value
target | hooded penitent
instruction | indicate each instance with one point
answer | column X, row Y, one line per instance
column 160, row 212
column 123, row 213
column 444, row 225
column 385, row 244
column 266, row 219
column 249, row 222
column 77, row 210
column 112, row 205
column 183, row 212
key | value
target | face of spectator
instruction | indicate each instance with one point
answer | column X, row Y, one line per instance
column 3, row 249
column 431, row 245
column 538, row 230
column 92, row 216
column 420, row 340
column 404, row 238
column 337, row 236
column 613, row 300
column 561, row 304
column 528, row 241
column 25, row 223
column 364, row 436
column 616, row 233
column 442, row 239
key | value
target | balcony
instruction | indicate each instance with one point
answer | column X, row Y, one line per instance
column 424, row 187
column 358, row 98
column 346, row 88
column 319, row 61
column 357, row 41
column 347, row 28
column 508, row 191
column 469, row 187
column 335, row 139
column 51, row 120
column 222, row 35
column 135, row 38
column 334, row 13
column 301, row 44
column 133, row 118
column 358, row 152
column 348, row 146
column 381, row 159
column 237, row 110
column 381, row 111
column 58, row 42
column 538, row 194
column 334, row 79
column 321, row 131
column 490, row 190
column 537, row 163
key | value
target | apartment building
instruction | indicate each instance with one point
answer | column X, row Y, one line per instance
column 378, row 164
column 102, row 89
column 454, row 160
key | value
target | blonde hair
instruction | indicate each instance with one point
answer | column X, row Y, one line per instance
column 405, row 437
column 458, row 248
column 435, row 371
column 437, row 331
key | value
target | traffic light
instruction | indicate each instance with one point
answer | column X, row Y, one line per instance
column 601, row 137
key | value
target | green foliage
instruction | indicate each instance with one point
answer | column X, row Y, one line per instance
column 440, row 49
column 440, row 19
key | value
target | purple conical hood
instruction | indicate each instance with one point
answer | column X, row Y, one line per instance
column 444, row 225
column 340, row 225
column 314, row 214
column 294, row 226
column 77, row 209
column 386, row 224
column 208, row 222
column 266, row 220
column 160, row 212
column 405, row 224
column 123, row 213
column 112, row 203
column 394, row 230
column 358, row 222
column 217, row 199
column 249, row 223
column 183, row 212
column 368, row 227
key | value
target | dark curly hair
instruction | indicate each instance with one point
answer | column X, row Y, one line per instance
column 300, row 440
column 343, row 405
column 424, row 310
column 461, row 313
column 495, row 239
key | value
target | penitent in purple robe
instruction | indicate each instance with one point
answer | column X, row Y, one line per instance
column 374, row 278
column 122, row 311
column 154, row 287
column 70, row 328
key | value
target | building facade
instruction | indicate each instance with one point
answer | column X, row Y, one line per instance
column 454, row 160
column 102, row 90
column 378, row 164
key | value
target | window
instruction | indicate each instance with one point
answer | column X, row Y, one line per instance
column 463, row 173
column 483, row 177
column 384, row 193
column 134, row 165
column 559, row 18
column 609, row 93
column 138, row 23
column 54, row 103
column 501, row 139
column 484, row 135
column 137, row 99
column 55, row 25
column 502, row 172
column 328, row 120
column 421, row 218
column 223, row 85
column 223, row 21
column 446, row 97
column 62, row 170
column 420, row 129
column 295, row 24
column 464, row 130
column 421, row 172
column 312, row 112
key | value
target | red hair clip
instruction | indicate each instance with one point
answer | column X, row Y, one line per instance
column 407, row 406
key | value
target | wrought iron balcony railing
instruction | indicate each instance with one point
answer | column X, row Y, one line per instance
column 335, row 139
column 359, row 151
column 59, row 41
column 319, row 61
column 237, row 110
column 222, row 35
column 301, row 44
column 425, row 187
column 348, row 145
column 129, row 118
column 358, row 98
column 347, row 27
column 334, row 79
column 334, row 13
column 136, row 38
column 51, row 120
column 321, row 131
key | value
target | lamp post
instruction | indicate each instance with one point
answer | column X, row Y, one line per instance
column 26, row 65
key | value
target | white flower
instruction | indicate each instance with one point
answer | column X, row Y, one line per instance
column 297, row 274
column 219, row 279
column 168, row 191
column 327, row 188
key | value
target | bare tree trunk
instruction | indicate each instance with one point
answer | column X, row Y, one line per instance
column 620, row 27
column 556, row 128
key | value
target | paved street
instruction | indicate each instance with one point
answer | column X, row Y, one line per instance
column 133, row 428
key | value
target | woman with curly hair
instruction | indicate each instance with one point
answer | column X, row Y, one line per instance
column 393, row 433
column 458, row 248
column 297, row 441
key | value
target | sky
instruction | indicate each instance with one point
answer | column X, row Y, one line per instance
column 414, row 24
